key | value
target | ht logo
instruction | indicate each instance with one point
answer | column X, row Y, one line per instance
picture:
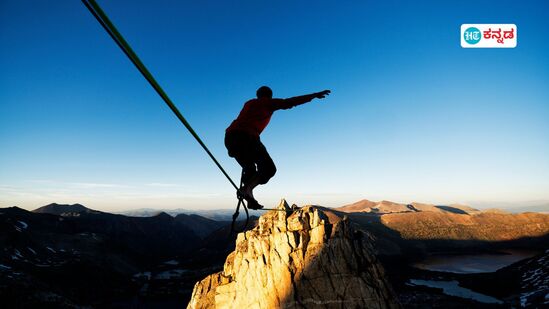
column 472, row 35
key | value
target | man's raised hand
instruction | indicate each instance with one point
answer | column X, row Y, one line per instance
column 322, row 94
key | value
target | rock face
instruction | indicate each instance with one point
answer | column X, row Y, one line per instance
column 307, row 258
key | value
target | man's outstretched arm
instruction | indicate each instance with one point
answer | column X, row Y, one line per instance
column 294, row 101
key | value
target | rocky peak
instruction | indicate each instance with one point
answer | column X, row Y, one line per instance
column 306, row 257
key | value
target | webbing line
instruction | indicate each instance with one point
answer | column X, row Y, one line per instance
column 102, row 18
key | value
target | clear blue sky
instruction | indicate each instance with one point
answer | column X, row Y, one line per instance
column 412, row 117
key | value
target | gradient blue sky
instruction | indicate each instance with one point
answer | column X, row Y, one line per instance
column 412, row 117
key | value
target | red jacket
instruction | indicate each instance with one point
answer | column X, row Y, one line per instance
column 256, row 113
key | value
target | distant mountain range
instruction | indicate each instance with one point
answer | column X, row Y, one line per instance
column 544, row 208
column 416, row 228
column 363, row 205
column 56, row 253
column 199, row 225
column 213, row 214
column 69, row 255
column 385, row 207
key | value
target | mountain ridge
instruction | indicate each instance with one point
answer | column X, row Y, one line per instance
column 385, row 207
column 64, row 209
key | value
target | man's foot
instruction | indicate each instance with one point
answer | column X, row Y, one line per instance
column 252, row 202
column 246, row 192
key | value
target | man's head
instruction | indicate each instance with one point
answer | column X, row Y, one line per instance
column 264, row 92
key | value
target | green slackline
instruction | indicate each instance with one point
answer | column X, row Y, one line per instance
column 102, row 18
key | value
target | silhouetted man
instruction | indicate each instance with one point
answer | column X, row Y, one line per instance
column 243, row 142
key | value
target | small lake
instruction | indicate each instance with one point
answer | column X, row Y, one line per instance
column 453, row 288
column 473, row 263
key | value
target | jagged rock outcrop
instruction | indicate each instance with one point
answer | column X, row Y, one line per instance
column 307, row 258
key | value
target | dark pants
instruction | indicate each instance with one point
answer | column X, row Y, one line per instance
column 250, row 153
